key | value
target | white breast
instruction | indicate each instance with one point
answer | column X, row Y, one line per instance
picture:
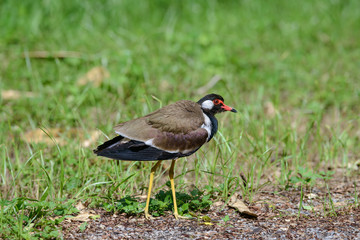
column 207, row 125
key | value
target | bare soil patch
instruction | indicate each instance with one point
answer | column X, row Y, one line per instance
column 278, row 218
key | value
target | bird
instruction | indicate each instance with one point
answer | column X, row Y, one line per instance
column 169, row 133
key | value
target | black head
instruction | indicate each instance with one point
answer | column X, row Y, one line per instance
column 214, row 103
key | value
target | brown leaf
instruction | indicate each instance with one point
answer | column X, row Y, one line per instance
column 54, row 218
column 241, row 207
column 269, row 110
column 61, row 136
column 354, row 165
column 204, row 89
column 84, row 216
column 94, row 135
column 39, row 136
column 311, row 196
column 95, row 76
column 341, row 204
column 218, row 204
column 165, row 86
column 14, row 94
column 56, row 54
column 80, row 206
column 141, row 197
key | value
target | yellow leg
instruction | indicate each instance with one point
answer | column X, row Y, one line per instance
column 153, row 169
column 171, row 176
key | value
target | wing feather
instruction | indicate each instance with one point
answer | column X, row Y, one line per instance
column 173, row 128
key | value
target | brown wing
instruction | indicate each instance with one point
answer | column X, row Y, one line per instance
column 181, row 117
column 176, row 127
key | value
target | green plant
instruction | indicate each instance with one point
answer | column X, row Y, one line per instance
column 356, row 196
column 83, row 226
column 29, row 218
column 329, row 207
column 307, row 177
column 226, row 219
column 196, row 201
column 288, row 68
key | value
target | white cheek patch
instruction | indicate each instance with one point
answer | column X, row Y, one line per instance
column 208, row 104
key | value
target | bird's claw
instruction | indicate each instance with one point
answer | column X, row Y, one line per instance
column 178, row 217
column 148, row 216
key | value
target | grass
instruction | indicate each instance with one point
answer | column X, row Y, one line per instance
column 291, row 70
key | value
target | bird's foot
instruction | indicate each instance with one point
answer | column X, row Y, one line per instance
column 178, row 217
column 148, row 216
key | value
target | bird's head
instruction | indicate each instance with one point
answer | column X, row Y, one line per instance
column 214, row 103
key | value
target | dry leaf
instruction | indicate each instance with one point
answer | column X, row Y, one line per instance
column 165, row 86
column 206, row 220
column 54, row 218
column 80, row 206
column 56, row 54
column 209, row 85
column 141, row 197
column 218, row 204
column 354, row 166
column 94, row 135
column 341, row 204
column 60, row 136
column 39, row 136
column 84, row 216
column 269, row 110
column 240, row 206
column 14, row 94
column 312, row 196
column 206, row 223
column 95, row 76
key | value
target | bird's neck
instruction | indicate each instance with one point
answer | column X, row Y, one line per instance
column 214, row 124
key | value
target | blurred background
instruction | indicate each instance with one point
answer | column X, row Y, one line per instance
column 71, row 70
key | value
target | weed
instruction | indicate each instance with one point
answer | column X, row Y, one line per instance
column 83, row 226
column 226, row 219
column 27, row 218
column 306, row 177
column 194, row 202
column 288, row 68
column 356, row 196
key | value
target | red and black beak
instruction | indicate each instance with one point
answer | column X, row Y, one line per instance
column 227, row 108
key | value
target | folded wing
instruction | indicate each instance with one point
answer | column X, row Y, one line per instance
column 172, row 131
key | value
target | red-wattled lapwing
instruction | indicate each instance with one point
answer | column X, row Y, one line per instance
column 174, row 131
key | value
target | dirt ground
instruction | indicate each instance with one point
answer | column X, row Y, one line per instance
column 277, row 219
column 122, row 227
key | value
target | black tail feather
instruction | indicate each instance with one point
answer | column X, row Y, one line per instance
column 107, row 144
column 133, row 151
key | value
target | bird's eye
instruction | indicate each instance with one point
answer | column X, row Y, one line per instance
column 216, row 101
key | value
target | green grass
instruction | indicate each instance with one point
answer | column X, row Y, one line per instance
column 301, row 57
